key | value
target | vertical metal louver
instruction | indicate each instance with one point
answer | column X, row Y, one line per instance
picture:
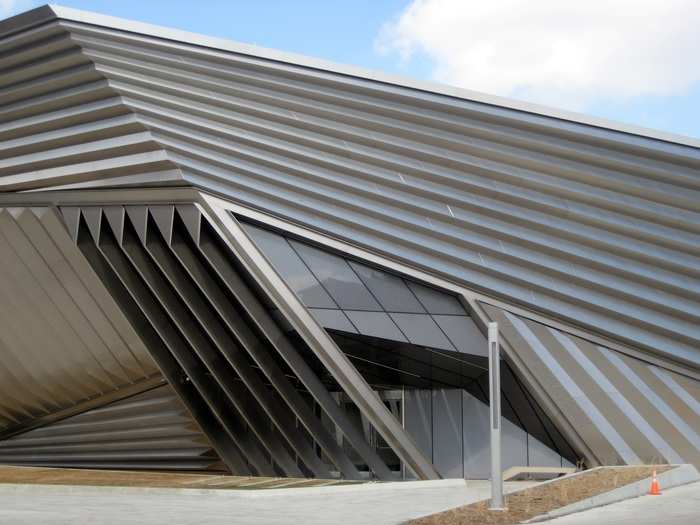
column 215, row 342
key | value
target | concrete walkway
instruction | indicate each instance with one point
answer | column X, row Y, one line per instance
column 366, row 505
column 677, row 506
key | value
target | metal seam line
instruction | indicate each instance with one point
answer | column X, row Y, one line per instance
column 588, row 407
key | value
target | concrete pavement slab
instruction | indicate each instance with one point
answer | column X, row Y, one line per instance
column 64, row 505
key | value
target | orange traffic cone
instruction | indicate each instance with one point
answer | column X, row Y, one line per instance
column 655, row 490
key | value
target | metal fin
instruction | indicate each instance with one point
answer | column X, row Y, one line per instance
column 192, row 218
column 71, row 218
column 115, row 217
column 138, row 215
column 93, row 219
column 164, row 216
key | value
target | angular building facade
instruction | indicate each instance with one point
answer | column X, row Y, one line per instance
column 216, row 257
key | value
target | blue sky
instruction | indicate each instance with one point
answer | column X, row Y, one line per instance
column 355, row 32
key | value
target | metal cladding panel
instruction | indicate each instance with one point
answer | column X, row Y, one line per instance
column 63, row 340
column 418, row 418
column 625, row 410
column 151, row 430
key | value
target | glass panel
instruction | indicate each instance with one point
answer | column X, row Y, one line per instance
column 389, row 289
column 290, row 267
column 338, row 278
column 435, row 301
column 375, row 324
column 422, row 330
column 333, row 319
column 463, row 333
column 418, row 418
column 448, row 454
column 475, row 438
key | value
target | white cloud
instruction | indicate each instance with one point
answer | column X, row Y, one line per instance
column 558, row 52
column 7, row 7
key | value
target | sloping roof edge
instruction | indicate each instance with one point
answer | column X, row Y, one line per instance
column 48, row 13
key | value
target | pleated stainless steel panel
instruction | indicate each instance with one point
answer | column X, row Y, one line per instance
column 151, row 430
column 60, row 121
column 63, row 339
column 598, row 227
column 626, row 411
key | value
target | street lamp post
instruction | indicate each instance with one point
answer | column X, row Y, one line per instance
column 495, row 411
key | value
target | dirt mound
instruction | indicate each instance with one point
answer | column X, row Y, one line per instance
column 533, row 501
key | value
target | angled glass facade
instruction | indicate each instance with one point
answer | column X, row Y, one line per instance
column 401, row 334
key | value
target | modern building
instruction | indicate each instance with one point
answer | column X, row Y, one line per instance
column 220, row 257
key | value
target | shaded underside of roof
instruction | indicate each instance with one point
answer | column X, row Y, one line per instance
column 151, row 430
column 593, row 226
column 63, row 340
